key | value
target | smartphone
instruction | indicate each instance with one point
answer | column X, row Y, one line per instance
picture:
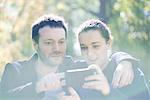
column 76, row 77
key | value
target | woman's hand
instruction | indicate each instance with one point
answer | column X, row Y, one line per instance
column 73, row 95
column 98, row 81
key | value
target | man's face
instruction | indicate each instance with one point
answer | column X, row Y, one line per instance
column 94, row 47
column 52, row 45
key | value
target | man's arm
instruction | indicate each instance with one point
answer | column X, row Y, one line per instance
column 124, row 73
column 8, row 80
column 12, row 85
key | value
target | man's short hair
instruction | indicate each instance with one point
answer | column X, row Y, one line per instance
column 53, row 21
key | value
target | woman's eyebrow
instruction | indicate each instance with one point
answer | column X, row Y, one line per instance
column 82, row 45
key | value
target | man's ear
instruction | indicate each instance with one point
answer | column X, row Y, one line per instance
column 35, row 45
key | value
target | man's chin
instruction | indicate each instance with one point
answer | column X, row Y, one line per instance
column 54, row 64
column 53, row 58
column 57, row 62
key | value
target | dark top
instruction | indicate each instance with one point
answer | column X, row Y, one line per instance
column 138, row 90
column 19, row 78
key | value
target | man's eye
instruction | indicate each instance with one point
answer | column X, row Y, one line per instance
column 48, row 43
column 96, row 46
column 62, row 42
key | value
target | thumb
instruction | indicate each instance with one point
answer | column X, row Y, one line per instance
column 96, row 68
column 72, row 92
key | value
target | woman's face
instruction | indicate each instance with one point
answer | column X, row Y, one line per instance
column 94, row 47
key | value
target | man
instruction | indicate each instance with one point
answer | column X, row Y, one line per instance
column 38, row 77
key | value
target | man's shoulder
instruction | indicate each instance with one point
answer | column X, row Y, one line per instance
column 120, row 56
column 16, row 66
column 19, row 65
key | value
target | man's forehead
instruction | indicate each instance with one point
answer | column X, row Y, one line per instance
column 49, row 33
column 51, row 39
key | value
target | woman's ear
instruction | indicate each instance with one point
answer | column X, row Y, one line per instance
column 109, row 43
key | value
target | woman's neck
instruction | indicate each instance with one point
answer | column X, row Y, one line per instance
column 104, row 65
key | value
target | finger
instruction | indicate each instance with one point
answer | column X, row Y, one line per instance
column 96, row 85
column 127, row 78
column 116, row 79
column 92, row 85
column 52, row 83
column 52, row 76
column 99, row 72
column 124, row 80
column 61, row 93
column 93, row 77
column 73, row 92
column 48, row 77
column 132, row 77
column 41, row 86
column 52, row 86
column 62, row 96
column 96, row 68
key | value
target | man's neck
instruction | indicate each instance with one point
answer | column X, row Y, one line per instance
column 43, row 69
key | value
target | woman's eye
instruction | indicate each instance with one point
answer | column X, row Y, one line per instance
column 83, row 48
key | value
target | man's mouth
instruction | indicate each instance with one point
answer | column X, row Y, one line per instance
column 56, row 55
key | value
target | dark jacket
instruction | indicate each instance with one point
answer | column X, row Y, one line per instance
column 138, row 90
column 19, row 78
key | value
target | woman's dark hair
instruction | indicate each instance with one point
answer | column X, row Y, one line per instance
column 94, row 24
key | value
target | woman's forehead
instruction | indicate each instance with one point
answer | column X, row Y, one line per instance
column 92, row 36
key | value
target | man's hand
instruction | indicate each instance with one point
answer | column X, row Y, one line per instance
column 73, row 95
column 49, row 82
column 98, row 81
column 123, row 75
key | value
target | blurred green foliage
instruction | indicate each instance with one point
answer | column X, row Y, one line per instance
column 129, row 21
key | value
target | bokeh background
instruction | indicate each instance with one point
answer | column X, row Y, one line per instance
column 129, row 21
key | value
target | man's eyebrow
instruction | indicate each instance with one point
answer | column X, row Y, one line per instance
column 95, row 42
column 62, row 39
column 48, row 39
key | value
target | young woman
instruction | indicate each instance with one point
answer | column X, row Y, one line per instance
column 95, row 41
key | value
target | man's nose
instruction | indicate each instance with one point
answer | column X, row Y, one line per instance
column 56, row 47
